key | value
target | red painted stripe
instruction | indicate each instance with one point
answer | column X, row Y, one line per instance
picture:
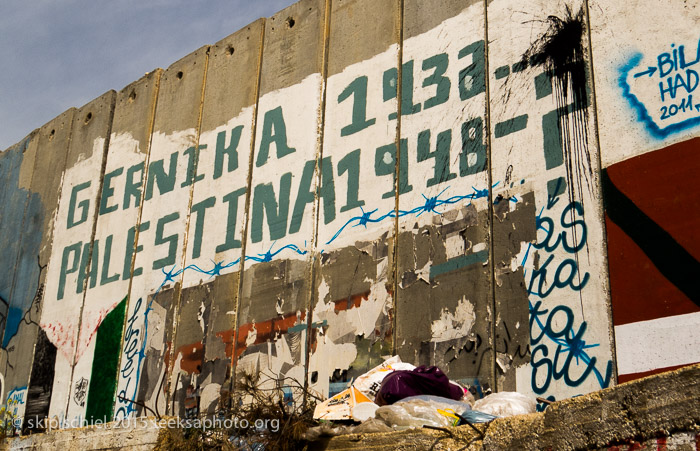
column 639, row 291
column 633, row 376
column 662, row 185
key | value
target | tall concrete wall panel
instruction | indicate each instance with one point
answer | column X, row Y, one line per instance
column 204, row 343
column 16, row 167
column 444, row 306
column 24, row 337
column 275, row 297
column 500, row 190
column 548, row 230
column 160, row 256
column 117, row 212
column 353, row 285
column 70, row 269
column 646, row 76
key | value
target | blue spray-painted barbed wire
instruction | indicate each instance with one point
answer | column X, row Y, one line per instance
column 219, row 266
column 170, row 276
column 430, row 205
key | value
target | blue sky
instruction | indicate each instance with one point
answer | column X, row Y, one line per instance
column 57, row 54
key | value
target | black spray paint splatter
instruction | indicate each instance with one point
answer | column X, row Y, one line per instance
column 560, row 52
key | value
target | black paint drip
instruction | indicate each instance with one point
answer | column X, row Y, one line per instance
column 560, row 52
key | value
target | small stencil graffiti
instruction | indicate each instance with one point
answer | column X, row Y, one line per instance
column 80, row 391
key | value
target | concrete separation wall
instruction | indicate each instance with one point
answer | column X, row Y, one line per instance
column 502, row 189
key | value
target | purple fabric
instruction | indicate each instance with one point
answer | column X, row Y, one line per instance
column 423, row 380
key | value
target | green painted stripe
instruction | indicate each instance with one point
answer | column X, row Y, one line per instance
column 302, row 326
column 519, row 66
column 105, row 366
column 501, row 72
column 459, row 262
column 510, row 126
column 543, row 85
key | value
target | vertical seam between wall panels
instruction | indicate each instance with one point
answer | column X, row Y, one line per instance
column 249, row 183
column 492, row 264
column 397, row 182
column 601, row 208
column 317, row 203
column 88, row 267
column 53, row 220
column 139, row 217
column 183, row 260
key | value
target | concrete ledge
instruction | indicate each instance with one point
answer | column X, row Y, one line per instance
column 663, row 407
column 137, row 434
column 660, row 406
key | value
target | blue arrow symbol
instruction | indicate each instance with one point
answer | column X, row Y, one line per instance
column 650, row 70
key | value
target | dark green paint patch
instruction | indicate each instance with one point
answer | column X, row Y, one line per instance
column 103, row 379
column 519, row 66
column 510, row 126
column 501, row 72
column 459, row 262
column 543, row 85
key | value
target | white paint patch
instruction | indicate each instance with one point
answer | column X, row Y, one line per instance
column 323, row 291
column 658, row 343
column 340, row 144
column 440, row 54
column 209, row 395
column 60, row 312
column 478, row 247
column 252, row 336
column 626, row 46
column 454, row 325
column 61, row 387
column 424, row 273
column 174, row 205
column 454, row 246
column 200, row 314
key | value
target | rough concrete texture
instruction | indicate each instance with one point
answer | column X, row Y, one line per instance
column 140, row 435
column 665, row 406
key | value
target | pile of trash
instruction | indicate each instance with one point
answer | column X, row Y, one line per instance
column 397, row 395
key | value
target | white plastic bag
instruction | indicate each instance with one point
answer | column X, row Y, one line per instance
column 505, row 404
column 417, row 411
